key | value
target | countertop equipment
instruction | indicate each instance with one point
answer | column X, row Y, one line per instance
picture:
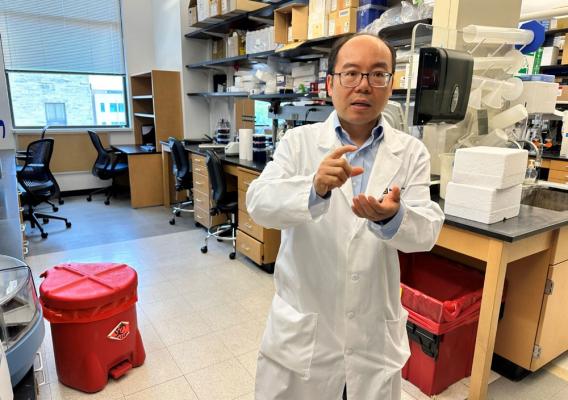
column 21, row 318
column 232, row 149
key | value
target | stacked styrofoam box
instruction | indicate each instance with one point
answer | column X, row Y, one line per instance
column 260, row 40
column 486, row 184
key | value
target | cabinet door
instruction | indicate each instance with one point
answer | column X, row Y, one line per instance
column 552, row 336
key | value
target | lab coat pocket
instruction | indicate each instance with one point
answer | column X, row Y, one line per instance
column 396, row 347
column 289, row 338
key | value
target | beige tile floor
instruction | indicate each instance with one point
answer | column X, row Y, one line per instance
column 201, row 318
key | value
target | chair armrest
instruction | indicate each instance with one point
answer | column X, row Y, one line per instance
column 21, row 157
column 36, row 165
column 23, row 152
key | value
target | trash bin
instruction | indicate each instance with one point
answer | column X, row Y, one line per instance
column 443, row 299
column 92, row 311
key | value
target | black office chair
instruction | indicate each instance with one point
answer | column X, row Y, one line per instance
column 225, row 203
column 37, row 181
column 184, row 177
column 21, row 156
column 106, row 166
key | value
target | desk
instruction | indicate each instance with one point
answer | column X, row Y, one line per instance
column 144, row 175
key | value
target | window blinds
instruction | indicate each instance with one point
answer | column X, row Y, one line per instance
column 76, row 36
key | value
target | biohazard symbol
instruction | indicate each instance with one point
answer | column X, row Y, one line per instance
column 120, row 332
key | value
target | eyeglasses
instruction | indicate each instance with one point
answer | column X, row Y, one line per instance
column 351, row 79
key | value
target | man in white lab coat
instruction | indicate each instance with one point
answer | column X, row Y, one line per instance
column 347, row 194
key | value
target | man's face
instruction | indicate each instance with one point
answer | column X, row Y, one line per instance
column 362, row 104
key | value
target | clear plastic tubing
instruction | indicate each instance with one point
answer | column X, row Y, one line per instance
column 513, row 60
column 493, row 34
column 510, row 89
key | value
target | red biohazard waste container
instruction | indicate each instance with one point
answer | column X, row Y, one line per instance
column 92, row 311
column 443, row 299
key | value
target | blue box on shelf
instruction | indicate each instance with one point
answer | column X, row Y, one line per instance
column 367, row 14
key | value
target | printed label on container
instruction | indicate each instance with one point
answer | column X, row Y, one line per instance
column 120, row 332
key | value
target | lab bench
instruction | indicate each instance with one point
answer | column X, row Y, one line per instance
column 528, row 251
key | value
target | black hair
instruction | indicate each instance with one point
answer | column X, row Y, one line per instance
column 341, row 41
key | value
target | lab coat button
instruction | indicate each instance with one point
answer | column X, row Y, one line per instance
column 355, row 277
column 348, row 351
column 350, row 314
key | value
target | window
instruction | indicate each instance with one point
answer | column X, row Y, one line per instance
column 63, row 54
column 55, row 114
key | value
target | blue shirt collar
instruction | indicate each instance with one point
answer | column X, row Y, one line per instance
column 376, row 133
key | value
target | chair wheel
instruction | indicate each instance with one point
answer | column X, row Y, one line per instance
column 44, row 235
column 219, row 240
column 204, row 249
column 178, row 213
column 61, row 202
column 89, row 198
column 172, row 221
column 46, row 220
column 68, row 224
column 233, row 255
column 107, row 202
column 197, row 224
column 55, row 209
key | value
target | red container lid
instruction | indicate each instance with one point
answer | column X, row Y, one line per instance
column 76, row 286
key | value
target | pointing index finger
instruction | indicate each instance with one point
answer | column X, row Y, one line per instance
column 337, row 153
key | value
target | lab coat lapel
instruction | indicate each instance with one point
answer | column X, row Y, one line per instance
column 328, row 142
column 387, row 163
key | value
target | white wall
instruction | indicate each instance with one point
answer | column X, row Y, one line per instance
column 138, row 35
column 167, row 35
column 530, row 6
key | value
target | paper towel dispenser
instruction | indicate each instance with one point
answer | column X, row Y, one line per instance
column 443, row 85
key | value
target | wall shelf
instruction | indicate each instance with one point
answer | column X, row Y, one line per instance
column 219, row 94
column 143, row 97
column 144, row 115
column 287, row 96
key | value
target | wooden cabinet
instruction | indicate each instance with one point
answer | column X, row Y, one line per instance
column 156, row 102
column 534, row 329
column 254, row 241
column 558, row 171
column 202, row 194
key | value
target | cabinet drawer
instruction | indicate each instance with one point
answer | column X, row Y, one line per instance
column 559, row 165
column 250, row 247
column 247, row 225
column 558, row 176
column 201, row 183
column 560, row 247
column 242, row 200
column 201, row 200
column 245, row 179
column 197, row 160
column 200, row 170
column 202, row 216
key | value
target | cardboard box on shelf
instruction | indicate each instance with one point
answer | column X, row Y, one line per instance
column 192, row 12
column 564, row 95
column 346, row 21
column 549, row 55
column 229, row 6
column 342, row 4
column 332, row 23
column 292, row 18
column 214, row 8
column 559, row 23
column 318, row 18
column 565, row 50
column 218, row 49
column 202, row 10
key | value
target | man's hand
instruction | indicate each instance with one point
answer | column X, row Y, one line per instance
column 334, row 171
column 377, row 210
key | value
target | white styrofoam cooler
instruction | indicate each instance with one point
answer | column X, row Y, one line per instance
column 538, row 97
column 491, row 167
column 482, row 204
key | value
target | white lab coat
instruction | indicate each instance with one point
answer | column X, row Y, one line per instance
column 336, row 317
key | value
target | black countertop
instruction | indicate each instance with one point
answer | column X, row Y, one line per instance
column 529, row 222
column 233, row 160
column 554, row 156
column 10, row 233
